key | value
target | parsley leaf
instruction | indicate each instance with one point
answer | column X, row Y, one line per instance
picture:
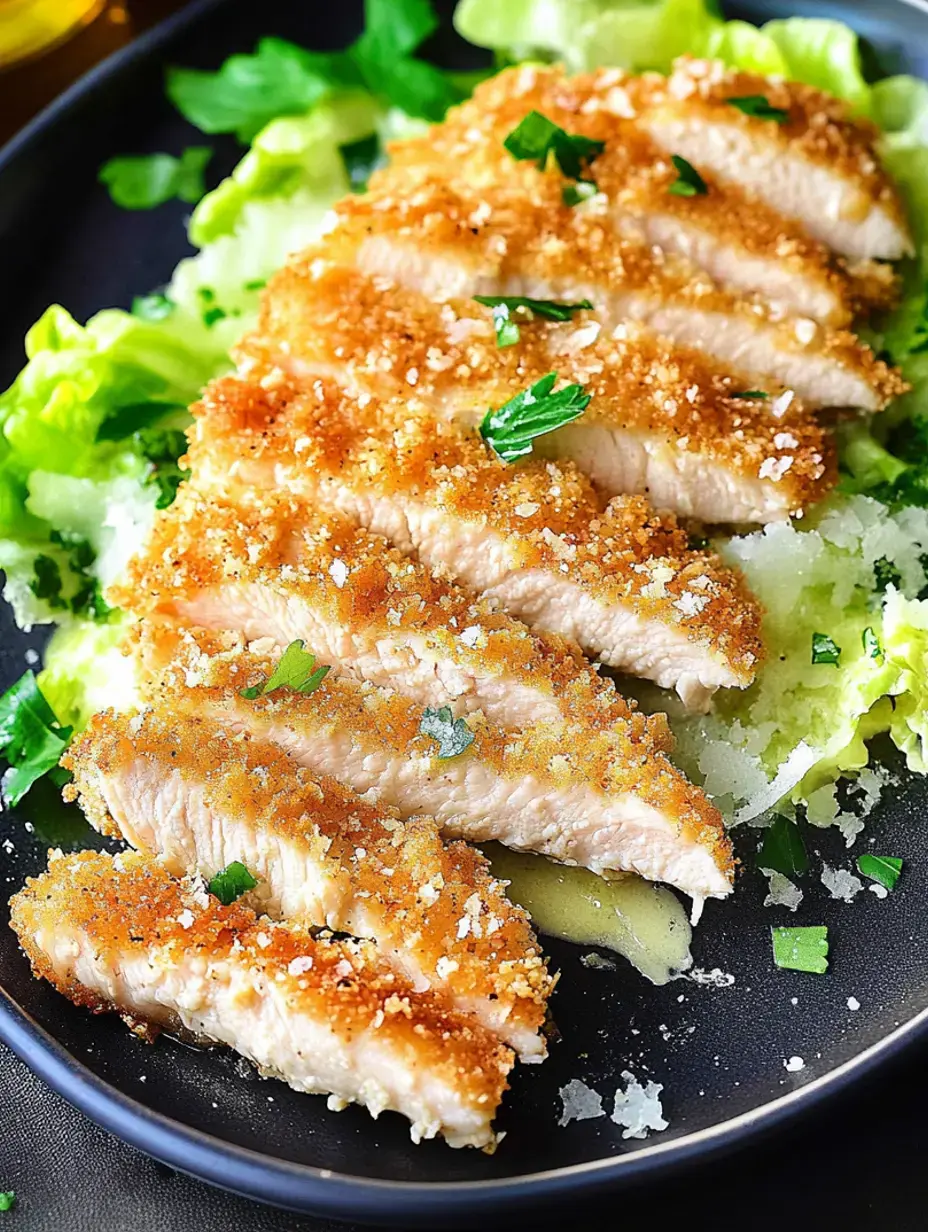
column 801, row 949
column 510, row 430
column 7, row 1200
column 295, row 671
column 140, row 182
column 579, row 191
column 884, row 869
column 749, row 393
column 154, row 307
column 825, row 649
column 689, row 183
column 453, row 735
column 871, row 644
column 759, row 106
column 507, row 331
column 231, row 883
column 31, row 738
column 361, row 158
column 46, row 581
column 783, row 850
column 536, row 138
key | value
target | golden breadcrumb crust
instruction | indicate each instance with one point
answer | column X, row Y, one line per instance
column 495, row 238
column 420, row 888
column 317, row 442
column 319, row 319
column 204, row 672
column 130, row 907
column 288, row 550
column 632, row 171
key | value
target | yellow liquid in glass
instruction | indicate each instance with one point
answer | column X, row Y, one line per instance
column 30, row 26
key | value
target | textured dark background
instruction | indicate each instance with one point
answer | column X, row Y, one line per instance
column 856, row 1166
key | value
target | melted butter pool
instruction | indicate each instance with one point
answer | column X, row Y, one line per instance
column 645, row 923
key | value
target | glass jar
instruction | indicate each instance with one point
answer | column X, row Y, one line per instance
column 28, row 27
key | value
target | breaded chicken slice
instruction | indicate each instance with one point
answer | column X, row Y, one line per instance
column 819, row 166
column 662, row 422
column 277, row 568
column 741, row 242
column 604, row 797
column 200, row 798
column 453, row 242
column 121, row 934
column 534, row 537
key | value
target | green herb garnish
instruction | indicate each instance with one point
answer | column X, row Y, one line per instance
column 254, row 284
column 825, row 649
column 871, row 644
column 140, row 182
column 7, row 1200
column 510, row 430
column 758, row 106
column 536, row 139
column 507, row 330
column 578, row 191
column 31, row 738
column 884, row 869
column 689, row 183
column 361, row 159
column 749, row 393
column 46, row 581
column 154, row 307
column 296, row 670
column 783, row 850
column 801, row 949
column 214, row 314
column 231, row 883
column 453, row 735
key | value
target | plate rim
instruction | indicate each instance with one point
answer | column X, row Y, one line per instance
column 306, row 1188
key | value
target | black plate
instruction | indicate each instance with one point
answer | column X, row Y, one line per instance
column 719, row 1052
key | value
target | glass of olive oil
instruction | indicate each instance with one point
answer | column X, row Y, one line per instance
column 28, row 27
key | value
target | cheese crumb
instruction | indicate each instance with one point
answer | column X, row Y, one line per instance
column 638, row 1107
column 186, row 918
column 782, row 892
column 338, row 572
column 840, row 883
column 853, row 1004
column 299, row 966
column 581, row 1103
column 794, row 1065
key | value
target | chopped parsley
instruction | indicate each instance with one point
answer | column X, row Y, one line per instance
column 510, row 430
column 140, row 182
column 871, row 644
column 783, row 850
column 154, row 307
column 507, row 330
column 254, row 284
column 689, row 183
column 231, row 882
column 537, row 139
column 7, row 1200
column 884, row 869
column 453, row 735
column 759, row 106
column 578, row 191
column 296, row 670
column 801, row 949
column 31, row 738
column 825, row 649
column 749, row 393
column 214, row 314
column 46, row 581
column 361, row 158
column 885, row 574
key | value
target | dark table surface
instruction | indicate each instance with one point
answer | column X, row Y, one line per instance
column 857, row 1165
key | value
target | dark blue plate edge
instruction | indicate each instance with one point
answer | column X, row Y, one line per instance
column 299, row 1187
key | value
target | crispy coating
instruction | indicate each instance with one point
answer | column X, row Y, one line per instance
column 390, row 343
column 203, row 547
column 129, row 908
column 632, row 171
column 321, row 445
column 204, row 672
column 397, row 873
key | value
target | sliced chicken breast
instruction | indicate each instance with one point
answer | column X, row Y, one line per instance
column 606, row 799
column 274, row 567
column 119, row 933
column 620, row 581
column 662, row 422
column 201, row 798
column 820, row 166
column 742, row 243
column 450, row 242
